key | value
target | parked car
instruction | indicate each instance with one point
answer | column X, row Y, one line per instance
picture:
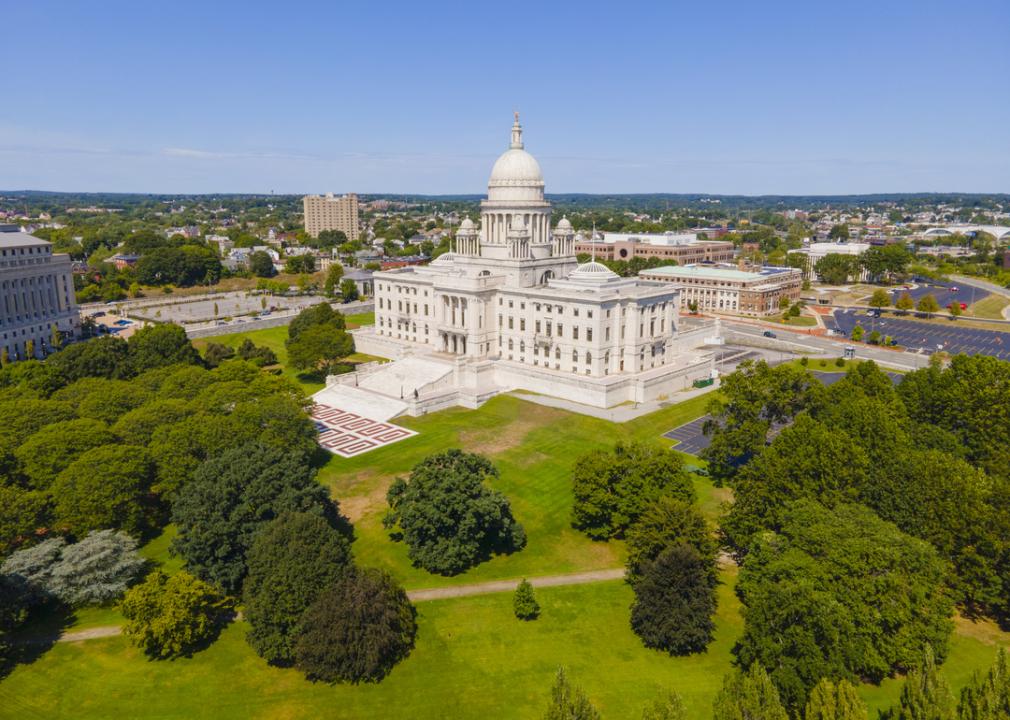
column 769, row 334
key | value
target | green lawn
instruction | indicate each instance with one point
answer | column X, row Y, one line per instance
column 473, row 659
column 534, row 448
column 990, row 307
column 798, row 321
column 274, row 338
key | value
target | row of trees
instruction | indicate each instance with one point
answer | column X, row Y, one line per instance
column 880, row 263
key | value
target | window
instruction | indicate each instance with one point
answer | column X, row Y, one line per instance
column 575, row 333
column 575, row 312
column 589, row 313
column 606, row 334
column 510, row 322
column 536, row 327
column 575, row 356
column 510, row 344
column 589, row 334
column 522, row 323
column 561, row 330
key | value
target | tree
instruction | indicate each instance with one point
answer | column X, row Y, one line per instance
column 321, row 314
column 357, row 630
column 348, row 291
column 99, row 357
column 670, row 521
column 880, row 299
column 928, row 304
column 160, row 345
column 261, row 264
column 173, row 616
column 229, row 499
column 670, row 707
column 48, row 452
column 905, row 302
column 319, row 347
column 829, row 701
column 300, row 264
column 987, row 697
column 55, row 337
column 784, row 302
column 260, row 356
column 107, row 486
column 22, row 513
column 675, row 601
column 835, row 268
column 448, row 517
column 955, row 310
column 95, row 570
column 333, row 275
column 612, row 490
column 216, row 353
column 749, row 695
column 813, row 596
column 327, row 239
column 926, row 694
column 857, row 333
column 524, row 601
column 839, row 232
column 874, row 337
column 293, row 558
column 569, row 702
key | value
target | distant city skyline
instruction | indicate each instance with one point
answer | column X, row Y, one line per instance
column 731, row 98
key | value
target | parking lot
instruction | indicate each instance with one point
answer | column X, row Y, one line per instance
column 943, row 292
column 949, row 336
column 691, row 438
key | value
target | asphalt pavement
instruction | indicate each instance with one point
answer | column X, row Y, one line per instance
column 948, row 336
column 944, row 292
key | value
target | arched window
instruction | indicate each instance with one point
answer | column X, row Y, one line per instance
column 589, row 357
column 557, row 353
column 575, row 356
column 510, row 343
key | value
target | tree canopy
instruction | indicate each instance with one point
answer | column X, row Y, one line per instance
column 448, row 517
column 613, row 489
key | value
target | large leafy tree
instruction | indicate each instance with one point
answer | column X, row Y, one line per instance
column 99, row 357
column 172, row 616
column 748, row 695
column 569, row 702
column 675, row 601
column 448, row 517
column 835, row 269
column 753, row 400
column 48, row 452
column 319, row 347
column 357, row 630
column 230, row 498
column 160, row 345
column 22, row 512
column 292, row 560
column 612, row 490
column 670, row 521
column 807, row 460
column 106, row 487
column 839, row 594
column 321, row 314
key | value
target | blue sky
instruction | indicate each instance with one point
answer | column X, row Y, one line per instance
column 715, row 97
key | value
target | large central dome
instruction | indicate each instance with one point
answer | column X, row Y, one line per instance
column 516, row 174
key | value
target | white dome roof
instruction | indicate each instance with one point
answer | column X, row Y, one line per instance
column 593, row 272
column 467, row 224
column 516, row 167
column 446, row 258
column 564, row 224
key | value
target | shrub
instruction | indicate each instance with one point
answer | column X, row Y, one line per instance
column 171, row 616
column 357, row 630
column 839, row 362
column 524, row 602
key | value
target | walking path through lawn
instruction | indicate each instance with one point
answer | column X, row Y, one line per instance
column 494, row 586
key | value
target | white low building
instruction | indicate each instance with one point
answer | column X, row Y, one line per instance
column 510, row 308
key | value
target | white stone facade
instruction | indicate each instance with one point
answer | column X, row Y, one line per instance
column 510, row 307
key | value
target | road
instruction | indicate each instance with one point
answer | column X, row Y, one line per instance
column 949, row 335
column 834, row 346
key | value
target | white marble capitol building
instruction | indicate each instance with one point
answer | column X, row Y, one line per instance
column 510, row 307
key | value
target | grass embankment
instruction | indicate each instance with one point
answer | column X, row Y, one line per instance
column 274, row 338
column 989, row 308
column 798, row 321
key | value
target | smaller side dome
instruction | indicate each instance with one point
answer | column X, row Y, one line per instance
column 593, row 272
column 564, row 224
column 467, row 224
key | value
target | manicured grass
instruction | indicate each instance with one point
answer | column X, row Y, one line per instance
column 990, row 307
column 798, row 321
column 534, row 447
column 274, row 339
column 473, row 659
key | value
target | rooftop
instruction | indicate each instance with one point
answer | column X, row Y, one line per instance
column 717, row 272
column 20, row 239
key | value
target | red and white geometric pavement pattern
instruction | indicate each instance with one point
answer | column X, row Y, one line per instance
column 348, row 434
